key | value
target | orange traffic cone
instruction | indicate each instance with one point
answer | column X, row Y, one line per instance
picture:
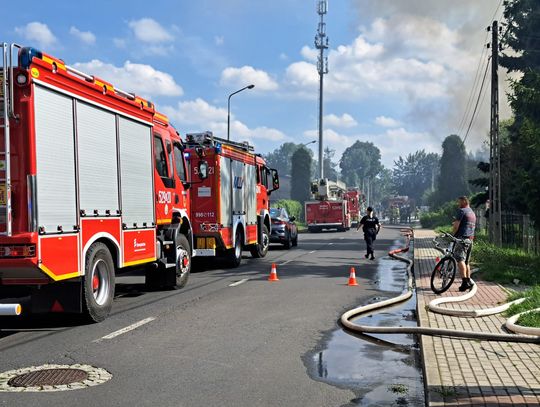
column 352, row 277
column 273, row 273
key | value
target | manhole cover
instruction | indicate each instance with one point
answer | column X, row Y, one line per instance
column 52, row 378
column 49, row 377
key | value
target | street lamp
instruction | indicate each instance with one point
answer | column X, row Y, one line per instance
column 307, row 144
column 229, row 108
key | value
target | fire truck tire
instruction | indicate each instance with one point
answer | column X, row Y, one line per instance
column 98, row 283
column 234, row 255
column 260, row 249
column 183, row 262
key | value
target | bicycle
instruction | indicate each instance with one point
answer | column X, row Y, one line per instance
column 444, row 272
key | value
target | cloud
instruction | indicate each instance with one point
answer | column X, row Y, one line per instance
column 392, row 142
column 309, row 54
column 303, row 76
column 219, row 40
column 345, row 120
column 417, row 57
column 150, row 31
column 199, row 115
column 38, row 33
column 85, row 36
column 240, row 77
column 384, row 121
column 119, row 42
column 142, row 79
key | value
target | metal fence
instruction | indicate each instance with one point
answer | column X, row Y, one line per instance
column 518, row 231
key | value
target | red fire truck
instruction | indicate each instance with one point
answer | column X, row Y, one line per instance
column 230, row 197
column 93, row 180
column 330, row 208
column 354, row 204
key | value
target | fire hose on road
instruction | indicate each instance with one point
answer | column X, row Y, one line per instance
column 365, row 310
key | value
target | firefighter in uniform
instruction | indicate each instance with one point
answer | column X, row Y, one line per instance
column 370, row 226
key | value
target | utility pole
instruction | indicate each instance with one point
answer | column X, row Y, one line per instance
column 321, row 43
column 495, row 224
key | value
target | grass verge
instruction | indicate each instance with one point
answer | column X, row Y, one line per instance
column 531, row 319
column 505, row 265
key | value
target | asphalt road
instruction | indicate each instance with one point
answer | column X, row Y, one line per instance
column 210, row 343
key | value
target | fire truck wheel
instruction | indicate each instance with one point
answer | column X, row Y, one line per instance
column 183, row 261
column 98, row 282
column 234, row 255
column 260, row 249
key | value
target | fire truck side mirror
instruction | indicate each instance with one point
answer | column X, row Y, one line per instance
column 203, row 169
column 275, row 179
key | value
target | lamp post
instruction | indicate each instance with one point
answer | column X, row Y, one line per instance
column 307, row 144
column 229, row 108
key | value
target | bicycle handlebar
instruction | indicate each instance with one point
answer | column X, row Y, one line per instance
column 453, row 238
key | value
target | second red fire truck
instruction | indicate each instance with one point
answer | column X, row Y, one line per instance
column 230, row 197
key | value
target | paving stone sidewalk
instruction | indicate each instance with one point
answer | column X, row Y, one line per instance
column 462, row 372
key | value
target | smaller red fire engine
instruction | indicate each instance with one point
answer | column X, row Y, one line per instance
column 329, row 209
column 354, row 202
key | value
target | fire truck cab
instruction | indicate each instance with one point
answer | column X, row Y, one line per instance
column 93, row 181
column 230, row 197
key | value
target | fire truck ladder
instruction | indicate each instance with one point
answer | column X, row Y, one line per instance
column 6, row 112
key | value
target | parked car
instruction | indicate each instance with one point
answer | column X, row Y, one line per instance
column 284, row 229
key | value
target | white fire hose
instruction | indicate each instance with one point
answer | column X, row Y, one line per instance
column 487, row 336
column 10, row 309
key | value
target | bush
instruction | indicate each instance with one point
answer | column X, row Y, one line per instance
column 294, row 208
column 442, row 217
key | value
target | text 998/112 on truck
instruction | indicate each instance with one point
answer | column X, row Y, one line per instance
column 93, row 181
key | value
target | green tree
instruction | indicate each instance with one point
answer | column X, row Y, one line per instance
column 360, row 162
column 520, row 160
column 414, row 174
column 382, row 187
column 452, row 180
column 280, row 158
column 329, row 169
column 301, row 175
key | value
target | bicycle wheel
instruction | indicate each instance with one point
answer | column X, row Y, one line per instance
column 443, row 275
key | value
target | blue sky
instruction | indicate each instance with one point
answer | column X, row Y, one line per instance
column 400, row 70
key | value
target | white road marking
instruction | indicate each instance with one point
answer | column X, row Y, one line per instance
column 286, row 262
column 313, row 251
column 330, row 244
column 126, row 329
column 238, row 282
column 341, row 238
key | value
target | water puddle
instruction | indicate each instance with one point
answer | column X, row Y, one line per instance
column 383, row 370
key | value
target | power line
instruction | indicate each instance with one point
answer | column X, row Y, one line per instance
column 477, row 101
column 476, row 78
column 473, row 91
